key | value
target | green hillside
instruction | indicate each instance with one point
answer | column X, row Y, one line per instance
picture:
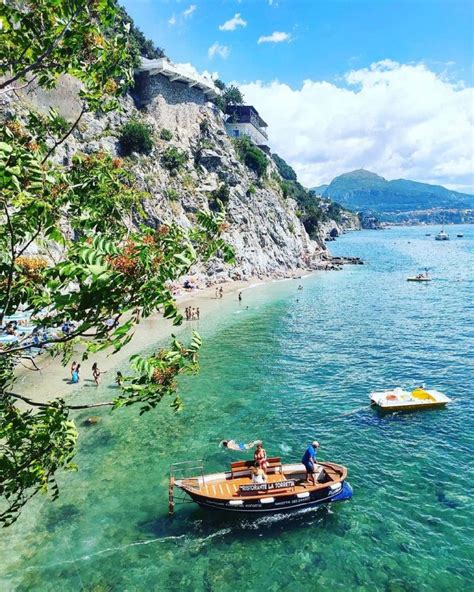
column 362, row 190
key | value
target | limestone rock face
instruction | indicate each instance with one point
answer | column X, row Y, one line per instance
column 263, row 226
column 329, row 230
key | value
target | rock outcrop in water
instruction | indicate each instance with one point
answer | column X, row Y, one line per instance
column 263, row 225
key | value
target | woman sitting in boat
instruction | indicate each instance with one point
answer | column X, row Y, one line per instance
column 258, row 474
column 260, row 457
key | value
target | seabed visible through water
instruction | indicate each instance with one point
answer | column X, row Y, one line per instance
column 293, row 366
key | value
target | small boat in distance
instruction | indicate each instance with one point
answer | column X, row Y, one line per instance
column 428, row 234
column 442, row 235
column 286, row 487
column 421, row 277
column 459, row 234
column 401, row 400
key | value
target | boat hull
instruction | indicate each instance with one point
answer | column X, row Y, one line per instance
column 418, row 279
column 415, row 407
column 400, row 400
column 287, row 503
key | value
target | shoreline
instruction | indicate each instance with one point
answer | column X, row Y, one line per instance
column 52, row 380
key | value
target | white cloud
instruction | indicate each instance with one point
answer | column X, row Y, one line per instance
column 189, row 11
column 220, row 50
column 179, row 20
column 393, row 119
column 275, row 37
column 192, row 70
column 233, row 23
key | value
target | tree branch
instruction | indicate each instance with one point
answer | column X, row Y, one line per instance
column 22, row 73
column 12, row 265
column 32, row 239
column 71, row 407
column 17, row 88
column 66, row 136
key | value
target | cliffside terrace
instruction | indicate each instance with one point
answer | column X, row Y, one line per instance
column 178, row 73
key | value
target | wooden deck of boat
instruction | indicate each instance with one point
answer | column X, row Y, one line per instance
column 229, row 488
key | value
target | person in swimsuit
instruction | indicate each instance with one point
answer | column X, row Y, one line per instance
column 75, row 374
column 258, row 474
column 96, row 373
column 309, row 461
column 239, row 446
column 260, row 457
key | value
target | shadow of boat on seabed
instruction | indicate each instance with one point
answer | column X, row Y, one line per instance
column 202, row 524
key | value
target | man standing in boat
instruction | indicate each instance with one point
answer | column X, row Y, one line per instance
column 309, row 461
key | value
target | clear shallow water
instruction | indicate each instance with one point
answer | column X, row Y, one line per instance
column 295, row 365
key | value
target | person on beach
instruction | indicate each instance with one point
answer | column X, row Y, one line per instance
column 75, row 374
column 240, row 296
column 309, row 461
column 221, row 292
column 11, row 328
column 73, row 368
column 119, row 379
column 197, row 313
column 96, row 373
column 260, row 457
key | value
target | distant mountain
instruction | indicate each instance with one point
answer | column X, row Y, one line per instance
column 320, row 189
column 362, row 190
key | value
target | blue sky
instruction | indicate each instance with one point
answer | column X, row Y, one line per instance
column 327, row 36
column 426, row 42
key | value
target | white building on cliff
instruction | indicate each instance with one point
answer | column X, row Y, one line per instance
column 244, row 120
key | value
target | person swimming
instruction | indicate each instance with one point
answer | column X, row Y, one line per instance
column 240, row 446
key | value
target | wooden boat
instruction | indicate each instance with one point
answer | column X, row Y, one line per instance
column 401, row 400
column 286, row 488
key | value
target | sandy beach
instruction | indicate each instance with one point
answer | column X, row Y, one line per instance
column 53, row 379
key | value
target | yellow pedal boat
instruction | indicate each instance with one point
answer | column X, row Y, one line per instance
column 401, row 400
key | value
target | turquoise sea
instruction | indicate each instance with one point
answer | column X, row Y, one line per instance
column 294, row 366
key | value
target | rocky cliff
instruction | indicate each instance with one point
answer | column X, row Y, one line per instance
column 263, row 225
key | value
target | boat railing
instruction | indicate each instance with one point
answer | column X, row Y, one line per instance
column 190, row 470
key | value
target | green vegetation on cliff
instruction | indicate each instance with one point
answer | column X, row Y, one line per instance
column 143, row 46
column 254, row 158
column 285, row 170
column 313, row 211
